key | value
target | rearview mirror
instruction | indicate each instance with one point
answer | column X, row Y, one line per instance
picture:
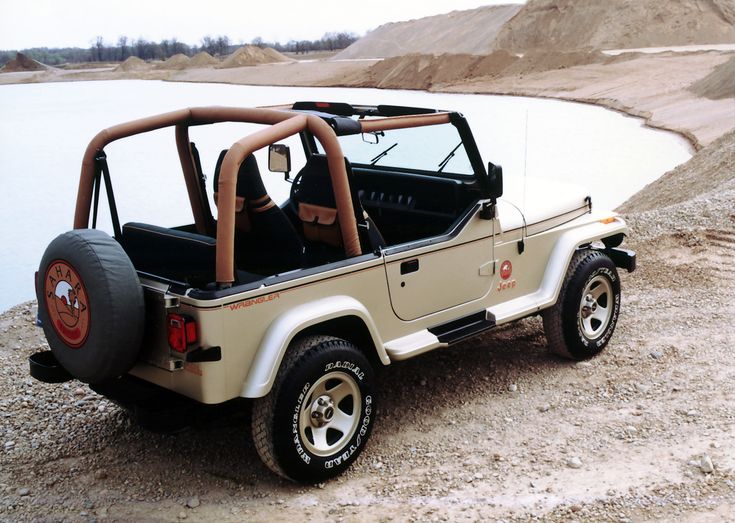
column 372, row 137
column 495, row 180
column 279, row 159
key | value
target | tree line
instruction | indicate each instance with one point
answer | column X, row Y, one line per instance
column 125, row 47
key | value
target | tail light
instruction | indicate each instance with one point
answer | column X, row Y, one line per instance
column 181, row 330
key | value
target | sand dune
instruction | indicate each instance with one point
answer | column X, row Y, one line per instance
column 177, row 62
column 252, row 55
column 719, row 84
column 203, row 59
column 554, row 25
column 425, row 71
column 618, row 24
column 22, row 63
column 132, row 63
column 458, row 32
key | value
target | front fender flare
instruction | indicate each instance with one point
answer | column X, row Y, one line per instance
column 282, row 331
column 556, row 269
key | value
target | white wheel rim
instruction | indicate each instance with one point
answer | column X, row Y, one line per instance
column 595, row 307
column 330, row 414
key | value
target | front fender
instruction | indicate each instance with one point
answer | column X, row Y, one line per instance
column 287, row 326
column 556, row 268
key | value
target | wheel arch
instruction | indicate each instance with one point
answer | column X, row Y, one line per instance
column 571, row 240
column 340, row 316
column 575, row 240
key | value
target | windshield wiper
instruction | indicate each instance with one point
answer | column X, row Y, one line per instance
column 384, row 153
column 448, row 157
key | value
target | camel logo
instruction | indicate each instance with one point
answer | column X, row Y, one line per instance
column 67, row 304
column 506, row 269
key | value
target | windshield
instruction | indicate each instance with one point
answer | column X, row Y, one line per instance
column 433, row 148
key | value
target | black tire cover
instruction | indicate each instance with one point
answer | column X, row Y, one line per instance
column 91, row 305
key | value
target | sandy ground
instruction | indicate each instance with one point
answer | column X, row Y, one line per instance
column 491, row 429
column 651, row 86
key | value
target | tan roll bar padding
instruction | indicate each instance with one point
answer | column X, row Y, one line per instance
column 184, row 117
column 403, row 122
column 228, row 180
column 186, row 158
column 340, row 184
column 284, row 123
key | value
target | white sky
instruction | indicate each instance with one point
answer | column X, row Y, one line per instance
column 75, row 23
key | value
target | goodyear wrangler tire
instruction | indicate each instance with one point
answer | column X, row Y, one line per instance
column 320, row 412
column 580, row 324
column 91, row 305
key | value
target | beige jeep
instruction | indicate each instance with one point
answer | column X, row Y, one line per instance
column 394, row 241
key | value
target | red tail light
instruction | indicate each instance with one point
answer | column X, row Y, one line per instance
column 182, row 332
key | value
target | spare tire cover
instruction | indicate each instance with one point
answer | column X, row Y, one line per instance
column 91, row 305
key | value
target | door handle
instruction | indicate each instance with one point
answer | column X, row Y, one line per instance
column 410, row 266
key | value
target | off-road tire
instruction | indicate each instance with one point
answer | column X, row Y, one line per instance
column 579, row 326
column 91, row 306
column 284, row 440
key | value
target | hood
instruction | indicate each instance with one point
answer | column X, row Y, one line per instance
column 545, row 204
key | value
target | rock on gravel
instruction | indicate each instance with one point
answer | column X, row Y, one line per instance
column 706, row 465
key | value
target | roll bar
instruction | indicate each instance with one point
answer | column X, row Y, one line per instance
column 282, row 124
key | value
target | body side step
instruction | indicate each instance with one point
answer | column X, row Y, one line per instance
column 459, row 329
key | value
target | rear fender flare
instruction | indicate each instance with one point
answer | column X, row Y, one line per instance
column 286, row 327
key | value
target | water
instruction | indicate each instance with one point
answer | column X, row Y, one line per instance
column 44, row 129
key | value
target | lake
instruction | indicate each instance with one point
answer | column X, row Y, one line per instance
column 45, row 128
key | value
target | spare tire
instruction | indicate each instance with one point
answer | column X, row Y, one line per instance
column 91, row 305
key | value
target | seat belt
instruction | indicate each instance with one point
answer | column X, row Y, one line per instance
column 203, row 200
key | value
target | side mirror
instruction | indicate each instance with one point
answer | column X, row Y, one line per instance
column 495, row 180
column 279, row 159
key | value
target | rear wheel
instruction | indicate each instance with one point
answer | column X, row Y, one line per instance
column 580, row 324
column 319, row 414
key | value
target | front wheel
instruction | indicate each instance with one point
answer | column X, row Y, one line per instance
column 319, row 414
column 580, row 324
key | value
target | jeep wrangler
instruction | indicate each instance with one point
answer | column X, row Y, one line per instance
column 395, row 241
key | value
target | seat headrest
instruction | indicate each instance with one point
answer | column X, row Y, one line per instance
column 249, row 183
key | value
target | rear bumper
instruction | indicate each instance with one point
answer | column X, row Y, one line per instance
column 622, row 258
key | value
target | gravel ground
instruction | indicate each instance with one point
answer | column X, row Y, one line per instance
column 491, row 429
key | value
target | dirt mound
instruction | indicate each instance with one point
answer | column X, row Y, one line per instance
column 538, row 60
column 427, row 71
column 613, row 24
column 132, row 63
column 177, row 62
column 719, row 84
column 708, row 176
column 202, row 59
column 275, row 55
column 458, row 32
column 252, row 55
column 22, row 63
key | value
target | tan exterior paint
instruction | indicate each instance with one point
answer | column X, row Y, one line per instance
column 458, row 274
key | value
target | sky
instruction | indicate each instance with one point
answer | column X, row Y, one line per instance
column 76, row 23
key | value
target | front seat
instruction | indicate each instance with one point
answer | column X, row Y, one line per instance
column 266, row 242
column 312, row 198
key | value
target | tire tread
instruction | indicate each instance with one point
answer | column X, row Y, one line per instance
column 264, row 408
column 553, row 317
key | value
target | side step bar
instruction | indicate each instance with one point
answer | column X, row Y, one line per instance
column 457, row 330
